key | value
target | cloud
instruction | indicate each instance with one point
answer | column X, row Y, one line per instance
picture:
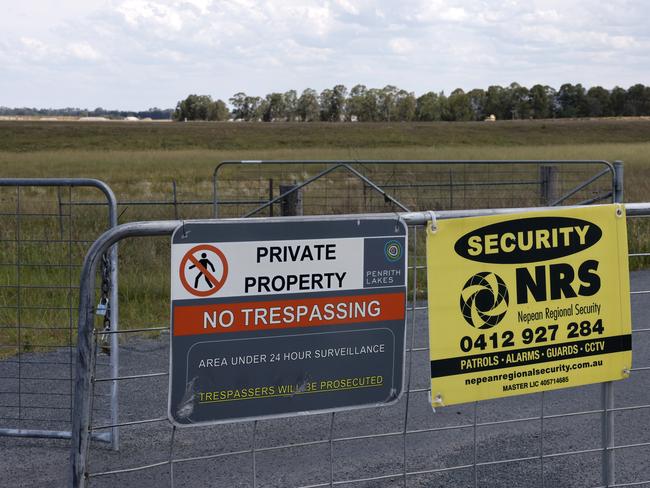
column 453, row 14
column 542, row 15
column 201, row 5
column 401, row 45
column 304, row 54
column 348, row 6
column 223, row 46
column 438, row 10
column 140, row 13
column 35, row 49
column 83, row 51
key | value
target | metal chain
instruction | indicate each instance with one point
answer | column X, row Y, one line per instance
column 103, row 308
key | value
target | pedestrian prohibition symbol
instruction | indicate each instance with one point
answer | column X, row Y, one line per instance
column 199, row 269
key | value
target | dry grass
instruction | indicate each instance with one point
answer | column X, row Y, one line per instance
column 146, row 174
column 48, row 136
column 149, row 173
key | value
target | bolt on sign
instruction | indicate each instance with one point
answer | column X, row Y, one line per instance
column 275, row 318
column 528, row 302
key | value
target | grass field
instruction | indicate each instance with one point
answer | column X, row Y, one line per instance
column 228, row 136
column 130, row 156
column 140, row 160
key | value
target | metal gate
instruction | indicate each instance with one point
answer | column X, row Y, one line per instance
column 46, row 227
column 575, row 437
column 319, row 187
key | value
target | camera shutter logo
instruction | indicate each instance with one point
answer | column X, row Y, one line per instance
column 484, row 300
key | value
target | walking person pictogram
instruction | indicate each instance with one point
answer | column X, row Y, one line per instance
column 205, row 262
column 209, row 263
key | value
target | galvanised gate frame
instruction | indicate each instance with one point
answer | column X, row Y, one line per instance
column 40, row 372
column 87, row 346
column 575, row 182
column 427, row 177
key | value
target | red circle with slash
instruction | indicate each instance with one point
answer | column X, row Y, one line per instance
column 217, row 284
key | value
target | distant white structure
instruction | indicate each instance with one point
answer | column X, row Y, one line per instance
column 131, row 119
column 93, row 119
column 37, row 118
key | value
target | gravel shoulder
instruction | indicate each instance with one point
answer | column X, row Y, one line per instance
column 39, row 462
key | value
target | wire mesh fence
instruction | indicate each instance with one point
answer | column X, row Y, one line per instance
column 556, row 438
column 337, row 187
column 241, row 188
column 263, row 188
column 44, row 235
column 538, row 440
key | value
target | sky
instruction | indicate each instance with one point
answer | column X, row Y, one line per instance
column 136, row 54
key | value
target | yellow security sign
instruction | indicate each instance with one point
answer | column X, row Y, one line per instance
column 528, row 302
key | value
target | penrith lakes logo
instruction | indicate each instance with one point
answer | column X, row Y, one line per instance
column 393, row 250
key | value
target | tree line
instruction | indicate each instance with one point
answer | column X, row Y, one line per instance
column 154, row 113
column 390, row 103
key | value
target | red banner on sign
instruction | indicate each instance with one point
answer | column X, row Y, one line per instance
column 284, row 314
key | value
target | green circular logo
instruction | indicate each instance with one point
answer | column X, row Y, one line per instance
column 393, row 251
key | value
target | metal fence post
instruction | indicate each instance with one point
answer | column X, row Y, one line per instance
column 618, row 182
column 292, row 203
column 115, row 349
column 215, row 196
column 175, row 199
column 549, row 183
column 608, row 465
column 607, row 399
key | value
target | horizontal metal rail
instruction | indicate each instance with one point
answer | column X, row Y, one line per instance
column 416, row 161
column 51, row 434
column 460, row 185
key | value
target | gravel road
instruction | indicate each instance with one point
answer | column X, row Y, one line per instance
column 45, row 463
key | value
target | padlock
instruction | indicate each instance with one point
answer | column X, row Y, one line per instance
column 102, row 307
